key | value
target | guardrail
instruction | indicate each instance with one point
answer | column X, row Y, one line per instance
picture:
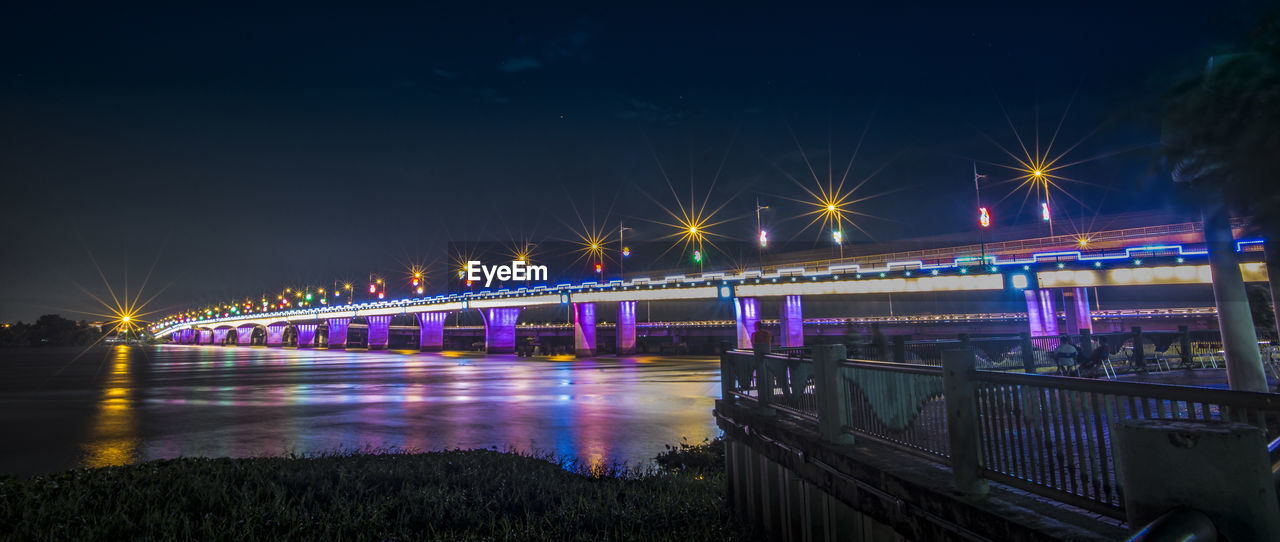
column 1052, row 435
column 1049, row 435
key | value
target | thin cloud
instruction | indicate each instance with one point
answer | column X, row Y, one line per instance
column 520, row 64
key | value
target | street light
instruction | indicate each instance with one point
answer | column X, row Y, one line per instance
column 984, row 217
column 764, row 235
column 623, row 250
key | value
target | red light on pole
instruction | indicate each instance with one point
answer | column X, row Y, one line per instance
column 373, row 288
column 599, row 268
column 984, row 217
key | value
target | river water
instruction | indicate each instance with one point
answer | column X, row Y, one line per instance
column 65, row 408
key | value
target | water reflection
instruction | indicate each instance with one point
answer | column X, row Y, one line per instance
column 113, row 433
column 225, row 401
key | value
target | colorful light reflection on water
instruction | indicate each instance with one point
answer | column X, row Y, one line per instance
column 235, row 401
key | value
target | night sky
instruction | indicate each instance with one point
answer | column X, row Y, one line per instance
column 247, row 151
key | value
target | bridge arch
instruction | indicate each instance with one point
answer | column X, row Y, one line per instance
column 403, row 332
column 358, row 332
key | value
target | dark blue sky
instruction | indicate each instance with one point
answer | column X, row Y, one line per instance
column 254, row 150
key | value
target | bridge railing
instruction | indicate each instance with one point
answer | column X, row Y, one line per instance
column 1052, row 435
column 895, row 403
column 1048, row 435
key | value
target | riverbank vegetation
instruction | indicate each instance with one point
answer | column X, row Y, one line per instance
column 477, row 494
column 49, row 330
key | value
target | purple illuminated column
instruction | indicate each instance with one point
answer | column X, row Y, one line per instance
column 244, row 335
column 500, row 329
column 275, row 334
column 338, row 332
column 189, row 336
column 748, row 313
column 792, row 321
column 205, row 336
column 1079, row 318
column 626, row 328
column 431, row 331
column 1041, row 317
column 584, row 329
column 220, row 335
column 379, row 331
column 306, row 334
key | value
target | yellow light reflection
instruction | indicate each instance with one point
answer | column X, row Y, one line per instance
column 113, row 434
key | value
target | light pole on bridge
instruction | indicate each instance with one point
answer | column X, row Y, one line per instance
column 623, row 252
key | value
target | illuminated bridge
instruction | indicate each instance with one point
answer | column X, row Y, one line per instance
column 1052, row 277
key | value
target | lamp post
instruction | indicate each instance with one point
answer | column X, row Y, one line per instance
column 984, row 218
column 622, row 251
column 764, row 236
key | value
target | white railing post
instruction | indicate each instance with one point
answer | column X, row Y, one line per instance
column 727, row 374
column 831, row 393
column 963, row 429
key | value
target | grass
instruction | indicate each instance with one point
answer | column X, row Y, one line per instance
column 453, row 495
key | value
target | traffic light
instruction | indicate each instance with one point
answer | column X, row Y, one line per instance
column 697, row 255
column 599, row 268
column 1044, row 211
column 984, row 218
column 764, row 238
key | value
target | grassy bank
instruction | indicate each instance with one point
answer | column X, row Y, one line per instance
column 381, row 496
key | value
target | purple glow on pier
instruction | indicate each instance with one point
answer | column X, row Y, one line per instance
column 306, row 334
column 748, row 313
column 431, row 331
column 792, row 322
column 500, row 329
column 626, row 328
column 584, row 329
column 379, row 331
column 338, row 332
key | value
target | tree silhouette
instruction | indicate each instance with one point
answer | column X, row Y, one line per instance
column 1221, row 139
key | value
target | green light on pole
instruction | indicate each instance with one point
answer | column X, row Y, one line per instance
column 697, row 256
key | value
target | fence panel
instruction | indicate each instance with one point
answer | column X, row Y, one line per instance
column 897, row 403
column 1053, row 435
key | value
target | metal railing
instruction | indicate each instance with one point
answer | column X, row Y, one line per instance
column 1052, row 435
column 896, row 403
column 1046, row 434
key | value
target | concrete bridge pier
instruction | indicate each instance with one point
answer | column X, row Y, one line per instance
column 1042, row 316
column 244, row 336
column 431, row 331
column 584, row 329
column 500, row 329
column 791, row 319
column 306, row 334
column 379, row 331
column 275, row 334
column 1076, row 305
column 338, row 332
column 626, row 343
column 747, row 310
